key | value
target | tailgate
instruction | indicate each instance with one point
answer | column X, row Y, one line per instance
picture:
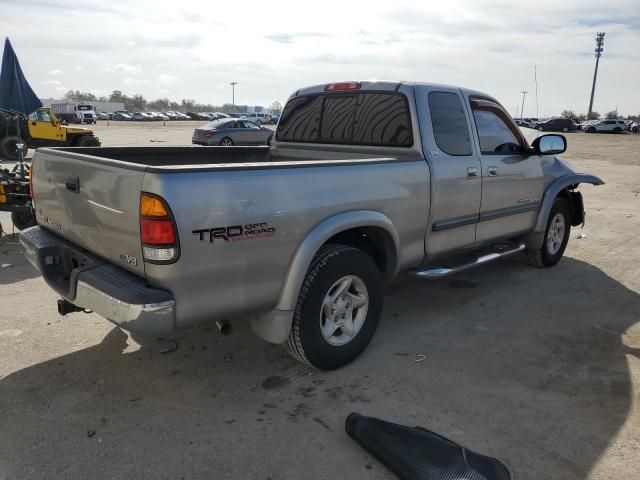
column 93, row 204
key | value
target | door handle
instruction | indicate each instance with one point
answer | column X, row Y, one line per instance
column 472, row 172
column 72, row 183
column 492, row 171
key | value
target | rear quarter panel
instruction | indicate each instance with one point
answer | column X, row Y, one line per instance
column 223, row 278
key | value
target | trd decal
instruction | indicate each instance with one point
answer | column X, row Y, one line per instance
column 235, row 232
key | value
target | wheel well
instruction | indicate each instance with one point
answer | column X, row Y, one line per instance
column 375, row 242
column 575, row 204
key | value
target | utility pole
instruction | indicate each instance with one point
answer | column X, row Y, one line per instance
column 535, row 77
column 599, row 48
column 524, row 94
column 233, row 93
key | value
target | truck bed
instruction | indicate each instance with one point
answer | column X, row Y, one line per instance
column 162, row 159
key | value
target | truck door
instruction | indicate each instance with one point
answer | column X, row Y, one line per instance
column 512, row 180
column 456, row 182
column 44, row 128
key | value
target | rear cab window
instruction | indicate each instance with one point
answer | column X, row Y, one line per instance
column 449, row 122
column 354, row 118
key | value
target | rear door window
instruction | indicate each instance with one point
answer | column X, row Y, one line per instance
column 449, row 121
column 371, row 118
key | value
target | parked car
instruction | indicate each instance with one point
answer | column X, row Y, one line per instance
column 258, row 118
column 556, row 125
column 103, row 116
column 608, row 126
column 524, row 124
column 230, row 131
column 634, row 127
column 121, row 117
column 274, row 119
column 290, row 236
column 237, row 115
column 159, row 116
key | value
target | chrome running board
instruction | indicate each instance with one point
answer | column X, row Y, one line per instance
column 439, row 272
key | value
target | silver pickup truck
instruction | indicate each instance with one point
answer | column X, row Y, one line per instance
column 363, row 180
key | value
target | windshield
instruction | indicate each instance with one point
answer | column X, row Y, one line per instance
column 221, row 123
column 85, row 107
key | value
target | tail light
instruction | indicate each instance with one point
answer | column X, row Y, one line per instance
column 158, row 232
column 210, row 133
column 340, row 86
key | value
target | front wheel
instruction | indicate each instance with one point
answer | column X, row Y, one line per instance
column 591, row 130
column 338, row 309
column 23, row 219
column 9, row 148
column 556, row 236
column 617, row 130
column 269, row 140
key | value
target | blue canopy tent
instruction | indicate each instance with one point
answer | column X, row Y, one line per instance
column 15, row 93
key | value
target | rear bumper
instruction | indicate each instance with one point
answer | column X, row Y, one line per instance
column 92, row 283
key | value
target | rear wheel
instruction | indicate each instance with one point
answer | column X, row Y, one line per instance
column 87, row 141
column 556, row 236
column 9, row 148
column 269, row 140
column 565, row 129
column 540, row 129
column 591, row 130
column 23, row 219
column 338, row 309
column 226, row 142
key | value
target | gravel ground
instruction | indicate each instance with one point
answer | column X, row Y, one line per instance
column 540, row 368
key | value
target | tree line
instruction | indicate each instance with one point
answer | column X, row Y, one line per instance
column 137, row 103
column 570, row 114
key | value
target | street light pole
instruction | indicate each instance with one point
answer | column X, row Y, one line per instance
column 233, row 93
column 599, row 48
column 524, row 94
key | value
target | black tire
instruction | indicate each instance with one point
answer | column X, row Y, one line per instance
column 226, row 142
column 306, row 341
column 617, row 130
column 23, row 219
column 565, row 129
column 542, row 257
column 87, row 141
column 591, row 129
column 9, row 149
column 269, row 140
column 541, row 129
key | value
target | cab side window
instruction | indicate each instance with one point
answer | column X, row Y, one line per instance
column 494, row 135
column 450, row 127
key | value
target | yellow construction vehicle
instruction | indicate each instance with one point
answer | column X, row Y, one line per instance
column 40, row 129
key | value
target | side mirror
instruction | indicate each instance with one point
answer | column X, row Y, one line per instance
column 549, row 145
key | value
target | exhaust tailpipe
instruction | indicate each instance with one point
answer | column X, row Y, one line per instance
column 224, row 326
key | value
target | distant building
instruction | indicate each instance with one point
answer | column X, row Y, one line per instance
column 106, row 107
column 249, row 109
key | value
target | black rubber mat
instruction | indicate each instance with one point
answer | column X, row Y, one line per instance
column 418, row 454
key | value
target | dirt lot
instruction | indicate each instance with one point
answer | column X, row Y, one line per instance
column 540, row 368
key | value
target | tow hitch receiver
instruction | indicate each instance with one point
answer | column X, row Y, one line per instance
column 65, row 307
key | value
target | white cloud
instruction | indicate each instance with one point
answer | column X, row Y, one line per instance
column 62, row 89
column 167, row 78
column 79, row 68
column 123, row 67
column 489, row 45
column 53, row 82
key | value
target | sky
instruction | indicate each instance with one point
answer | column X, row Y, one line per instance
column 193, row 49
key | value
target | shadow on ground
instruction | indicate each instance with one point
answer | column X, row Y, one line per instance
column 527, row 365
column 14, row 267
